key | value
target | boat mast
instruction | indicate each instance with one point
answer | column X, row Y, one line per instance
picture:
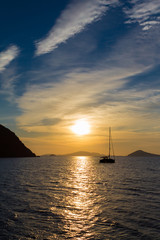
column 109, row 141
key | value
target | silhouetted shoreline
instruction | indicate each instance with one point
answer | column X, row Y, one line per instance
column 11, row 146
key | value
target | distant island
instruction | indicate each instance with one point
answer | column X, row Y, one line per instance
column 48, row 155
column 11, row 146
column 140, row 153
column 83, row 153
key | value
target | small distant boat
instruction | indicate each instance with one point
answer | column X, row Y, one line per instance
column 109, row 158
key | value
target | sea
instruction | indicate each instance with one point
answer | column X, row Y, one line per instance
column 78, row 198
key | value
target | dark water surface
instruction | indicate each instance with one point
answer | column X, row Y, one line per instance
column 78, row 198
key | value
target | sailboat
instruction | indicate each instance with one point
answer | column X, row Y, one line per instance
column 109, row 159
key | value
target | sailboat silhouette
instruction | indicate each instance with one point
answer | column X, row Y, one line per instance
column 109, row 159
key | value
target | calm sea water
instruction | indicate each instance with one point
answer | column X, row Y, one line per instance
column 78, row 198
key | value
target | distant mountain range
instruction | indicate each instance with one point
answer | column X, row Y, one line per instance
column 11, row 146
column 138, row 153
column 83, row 153
column 141, row 153
column 79, row 153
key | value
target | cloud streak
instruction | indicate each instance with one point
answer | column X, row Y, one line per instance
column 8, row 76
column 146, row 13
column 73, row 20
column 8, row 81
column 7, row 56
column 79, row 95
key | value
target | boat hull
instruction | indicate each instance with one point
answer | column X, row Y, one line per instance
column 107, row 160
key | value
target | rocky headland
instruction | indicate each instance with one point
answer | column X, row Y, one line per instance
column 11, row 146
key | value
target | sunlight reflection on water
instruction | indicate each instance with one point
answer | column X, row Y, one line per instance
column 81, row 209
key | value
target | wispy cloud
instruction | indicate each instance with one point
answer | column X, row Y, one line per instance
column 145, row 12
column 79, row 95
column 137, row 49
column 8, row 82
column 7, row 56
column 8, row 75
column 98, row 93
column 73, row 20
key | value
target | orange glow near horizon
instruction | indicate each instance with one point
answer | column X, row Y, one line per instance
column 81, row 127
column 62, row 140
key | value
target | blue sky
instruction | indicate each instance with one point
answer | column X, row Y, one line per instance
column 81, row 59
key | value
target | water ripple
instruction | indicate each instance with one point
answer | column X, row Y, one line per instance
column 77, row 198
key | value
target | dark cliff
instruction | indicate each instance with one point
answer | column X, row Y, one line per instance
column 11, row 146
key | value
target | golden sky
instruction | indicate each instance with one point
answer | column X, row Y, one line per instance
column 94, row 60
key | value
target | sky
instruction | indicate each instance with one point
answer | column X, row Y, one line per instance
column 96, row 60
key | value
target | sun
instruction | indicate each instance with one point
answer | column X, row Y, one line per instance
column 81, row 127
